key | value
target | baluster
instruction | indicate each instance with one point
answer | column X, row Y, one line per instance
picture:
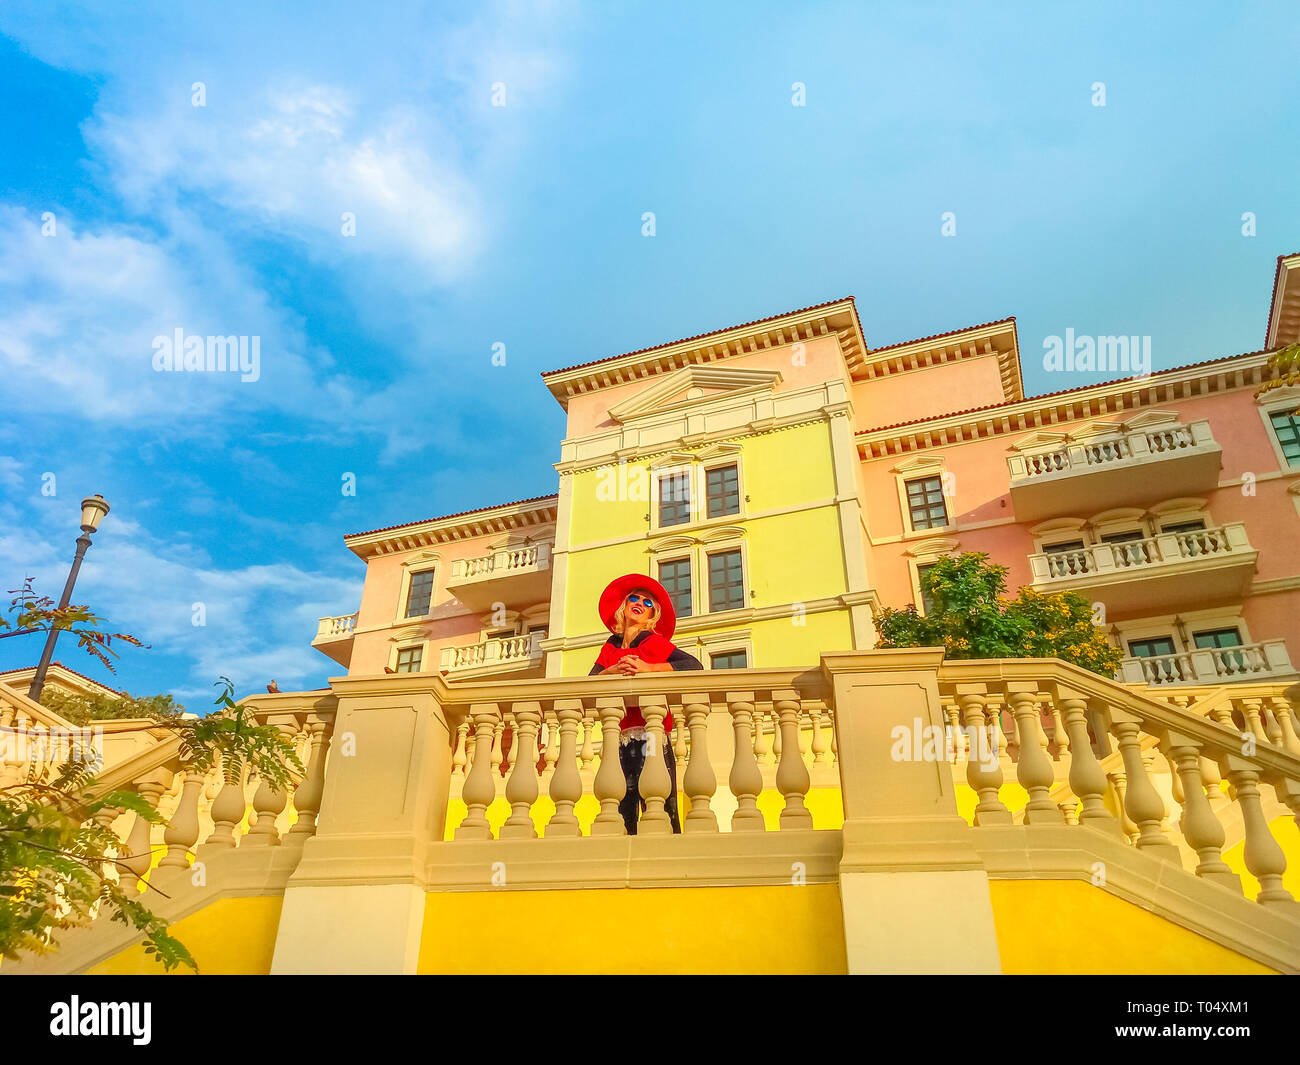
column 819, row 747
column 460, row 758
column 655, row 784
column 983, row 770
column 1119, row 785
column 792, row 778
column 227, row 813
column 566, row 781
column 1009, row 738
column 553, row 746
column 745, row 779
column 1254, row 723
column 1141, row 800
column 1087, row 780
column 1060, row 734
column 588, row 755
column 958, row 742
column 835, row 739
column 762, row 748
column 1284, row 715
column 182, row 831
column 679, row 744
column 498, row 754
column 139, row 853
column 307, row 797
column 1201, row 829
column 270, row 802
column 1264, row 858
column 1034, row 768
column 480, row 781
column 1272, row 726
column 1070, row 812
column 610, row 785
column 521, row 788
column 699, row 783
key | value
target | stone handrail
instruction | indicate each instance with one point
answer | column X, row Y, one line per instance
column 1095, row 713
column 1166, row 549
column 1118, row 449
column 573, row 712
column 501, row 562
column 336, row 627
column 1209, row 665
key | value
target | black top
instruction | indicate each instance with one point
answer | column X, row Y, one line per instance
column 679, row 659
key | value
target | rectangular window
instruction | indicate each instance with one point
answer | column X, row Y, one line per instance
column 1286, row 424
column 927, row 600
column 925, row 503
column 1151, row 648
column 722, row 491
column 1217, row 638
column 1183, row 527
column 675, row 576
column 408, row 659
column 420, row 594
column 726, row 581
column 728, row 660
column 675, row 499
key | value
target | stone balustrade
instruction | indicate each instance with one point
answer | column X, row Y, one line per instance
column 1210, row 665
column 1041, row 718
column 336, row 628
column 501, row 563
column 1120, row 450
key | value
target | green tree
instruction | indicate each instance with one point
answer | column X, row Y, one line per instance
column 82, row 709
column 970, row 616
column 58, row 860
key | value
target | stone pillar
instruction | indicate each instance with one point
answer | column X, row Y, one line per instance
column 907, row 853
column 355, row 902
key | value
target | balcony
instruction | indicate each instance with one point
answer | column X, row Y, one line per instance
column 508, row 575
column 1215, row 665
column 334, row 637
column 502, row 654
column 1124, row 469
column 1171, row 571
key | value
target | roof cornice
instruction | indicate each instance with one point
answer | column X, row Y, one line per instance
column 489, row 521
column 1053, row 409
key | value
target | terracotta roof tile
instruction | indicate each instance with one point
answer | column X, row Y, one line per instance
column 939, row 336
column 458, row 514
column 1050, row 395
column 701, row 336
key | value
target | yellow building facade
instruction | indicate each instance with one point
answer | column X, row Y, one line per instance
column 844, row 808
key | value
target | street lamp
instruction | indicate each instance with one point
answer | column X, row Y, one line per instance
column 93, row 509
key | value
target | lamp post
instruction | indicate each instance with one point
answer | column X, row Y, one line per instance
column 93, row 509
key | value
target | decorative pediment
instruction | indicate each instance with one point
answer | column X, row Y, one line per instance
column 721, row 532
column 673, row 543
column 1149, row 419
column 940, row 545
column 693, row 385
column 719, row 451
column 1039, row 442
column 1058, row 525
column 421, row 557
column 1287, row 394
column 916, row 465
column 672, row 459
column 406, row 634
column 1176, row 506
column 1093, row 430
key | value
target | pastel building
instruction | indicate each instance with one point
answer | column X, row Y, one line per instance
column 845, row 808
column 784, row 480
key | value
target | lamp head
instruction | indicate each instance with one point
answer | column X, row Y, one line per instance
column 93, row 509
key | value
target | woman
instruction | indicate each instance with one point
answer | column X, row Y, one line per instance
column 640, row 617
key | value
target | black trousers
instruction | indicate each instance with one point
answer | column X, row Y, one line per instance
column 632, row 758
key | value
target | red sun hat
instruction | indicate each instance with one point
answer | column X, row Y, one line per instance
column 617, row 590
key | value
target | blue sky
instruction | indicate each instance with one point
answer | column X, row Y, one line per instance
column 521, row 225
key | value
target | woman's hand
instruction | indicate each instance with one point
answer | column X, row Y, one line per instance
column 635, row 664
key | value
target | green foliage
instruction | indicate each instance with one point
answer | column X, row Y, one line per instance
column 1287, row 363
column 82, row 709
column 33, row 613
column 971, row 617
column 55, row 862
column 59, row 860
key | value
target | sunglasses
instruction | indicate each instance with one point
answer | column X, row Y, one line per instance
column 634, row 598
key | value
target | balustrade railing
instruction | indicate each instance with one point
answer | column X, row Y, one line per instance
column 1110, row 745
column 1166, row 549
column 1084, row 456
column 336, row 627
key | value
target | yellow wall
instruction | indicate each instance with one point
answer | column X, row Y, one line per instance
column 791, row 557
column 766, row 930
column 232, row 936
column 1287, row 834
column 1069, row 926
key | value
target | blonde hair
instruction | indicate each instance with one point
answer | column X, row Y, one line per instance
column 620, row 621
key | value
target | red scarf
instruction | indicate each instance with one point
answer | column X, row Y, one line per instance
column 653, row 648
